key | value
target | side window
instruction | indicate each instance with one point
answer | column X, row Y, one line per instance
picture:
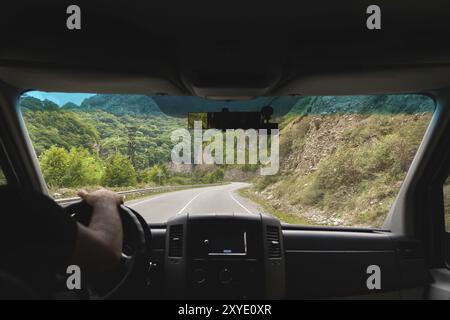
column 447, row 204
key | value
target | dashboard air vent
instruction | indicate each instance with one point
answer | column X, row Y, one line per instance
column 273, row 242
column 176, row 241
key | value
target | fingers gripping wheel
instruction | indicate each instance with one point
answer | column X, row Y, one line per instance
column 131, row 278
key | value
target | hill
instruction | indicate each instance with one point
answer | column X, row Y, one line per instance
column 118, row 104
column 109, row 140
column 103, row 124
column 343, row 159
column 373, row 104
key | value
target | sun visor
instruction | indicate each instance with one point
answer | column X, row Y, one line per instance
column 180, row 106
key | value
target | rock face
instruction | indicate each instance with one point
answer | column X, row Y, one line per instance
column 314, row 138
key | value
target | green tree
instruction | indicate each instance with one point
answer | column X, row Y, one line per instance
column 54, row 163
column 156, row 174
column 83, row 169
column 119, row 172
column 132, row 145
column 214, row 176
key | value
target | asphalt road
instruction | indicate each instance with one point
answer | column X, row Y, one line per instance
column 216, row 199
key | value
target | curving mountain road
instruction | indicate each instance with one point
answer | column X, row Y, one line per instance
column 216, row 199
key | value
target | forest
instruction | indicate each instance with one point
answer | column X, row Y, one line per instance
column 108, row 140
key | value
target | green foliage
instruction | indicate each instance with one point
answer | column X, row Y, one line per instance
column 119, row 171
column 180, row 179
column 157, row 174
column 32, row 103
column 70, row 169
column 103, row 126
column 214, row 176
column 117, row 104
column 83, row 169
column 198, row 117
column 54, row 163
column 76, row 143
column 265, row 181
column 125, row 124
column 368, row 105
column 267, row 206
column 60, row 128
column 294, row 130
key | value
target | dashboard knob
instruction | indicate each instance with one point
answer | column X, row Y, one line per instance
column 199, row 276
column 225, row 276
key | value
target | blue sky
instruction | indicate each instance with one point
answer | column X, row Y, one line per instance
column 60, row 98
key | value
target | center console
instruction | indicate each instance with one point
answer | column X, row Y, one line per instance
column 224, row 256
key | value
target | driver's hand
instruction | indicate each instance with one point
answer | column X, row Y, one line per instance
column 101, row 197
column 99, row 245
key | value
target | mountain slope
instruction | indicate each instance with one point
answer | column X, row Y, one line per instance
column 373, row 104
column 343, row 168
column 104, row 124
column 118, row 104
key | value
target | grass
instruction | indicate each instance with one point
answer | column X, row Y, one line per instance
column 267, row 208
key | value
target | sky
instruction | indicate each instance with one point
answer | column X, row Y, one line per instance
column 60, row 98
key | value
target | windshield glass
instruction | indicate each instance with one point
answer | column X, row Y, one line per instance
column 333, row 161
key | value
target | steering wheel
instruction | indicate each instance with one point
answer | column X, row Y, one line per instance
column 132, row 276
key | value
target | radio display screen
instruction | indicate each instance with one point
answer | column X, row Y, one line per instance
column 234, row 243
column 211, row 238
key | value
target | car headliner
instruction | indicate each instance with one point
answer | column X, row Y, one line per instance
column 225, row 51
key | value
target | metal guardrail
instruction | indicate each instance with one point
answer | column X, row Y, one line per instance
column 145, row 190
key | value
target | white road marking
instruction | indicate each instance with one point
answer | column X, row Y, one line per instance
column 157, row 197
column 190, row 201
column 248, row 211
column 144, row 201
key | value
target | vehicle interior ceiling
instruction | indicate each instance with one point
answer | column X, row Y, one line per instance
column 317, row 48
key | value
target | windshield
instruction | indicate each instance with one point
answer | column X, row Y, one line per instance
column 332, row 161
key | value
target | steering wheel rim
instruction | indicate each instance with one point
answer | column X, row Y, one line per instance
column 134, row 267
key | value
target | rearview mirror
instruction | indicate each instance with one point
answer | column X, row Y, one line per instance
column 233, row 120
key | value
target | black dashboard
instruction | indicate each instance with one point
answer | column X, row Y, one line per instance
column 218, row 256
column 242, row 256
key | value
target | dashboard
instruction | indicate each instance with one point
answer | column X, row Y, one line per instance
column 242, row 256
column 224, row 256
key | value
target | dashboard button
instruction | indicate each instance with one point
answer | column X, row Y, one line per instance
column 225, row 276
